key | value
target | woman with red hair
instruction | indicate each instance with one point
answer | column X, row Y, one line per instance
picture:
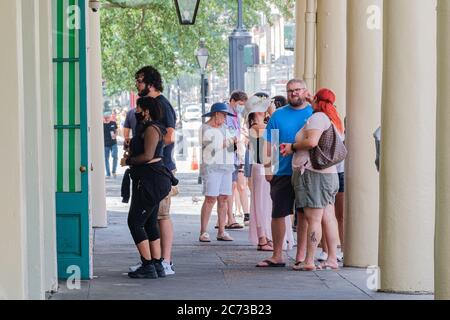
column 315, row 190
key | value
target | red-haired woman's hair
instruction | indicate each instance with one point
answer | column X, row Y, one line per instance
column 325, row 99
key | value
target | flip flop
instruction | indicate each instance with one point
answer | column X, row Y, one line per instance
column 234, row 226
column 261, row 247
column 271, row 264
column 297, row 265
column 326, row 266
column 301, row 266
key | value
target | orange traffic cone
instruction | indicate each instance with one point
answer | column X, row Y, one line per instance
column 194, row 162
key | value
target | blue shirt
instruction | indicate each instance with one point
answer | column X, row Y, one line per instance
column 130, row 121
column 283, row 126
column 169, row 120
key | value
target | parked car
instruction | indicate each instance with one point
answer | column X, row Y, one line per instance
column 192, row 113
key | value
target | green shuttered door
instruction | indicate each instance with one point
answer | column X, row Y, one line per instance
column 69, row 67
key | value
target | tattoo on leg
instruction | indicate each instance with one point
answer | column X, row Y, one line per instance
column 313, row 237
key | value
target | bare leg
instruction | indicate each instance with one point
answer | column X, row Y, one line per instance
column 207, row 207
column 166, row 230
column 332, row 234
column 314, row 217
column 230, row 214
column 278, row 234
column 339, row 208
column 155, row 249
column 324, row 240
column 222, row 212
column 144, row 249
column 237, row 202
column 302, row 236
column 243, row 194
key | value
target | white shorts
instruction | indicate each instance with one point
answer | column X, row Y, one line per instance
column 218, row 183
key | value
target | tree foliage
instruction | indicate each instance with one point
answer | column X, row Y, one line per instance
column 140, row 32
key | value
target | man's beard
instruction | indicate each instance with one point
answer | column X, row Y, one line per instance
column 144, row 92
column 297, row 103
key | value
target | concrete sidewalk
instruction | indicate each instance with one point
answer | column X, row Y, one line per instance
column 215, row 271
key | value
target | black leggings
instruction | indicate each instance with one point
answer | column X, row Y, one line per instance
column 142, row 221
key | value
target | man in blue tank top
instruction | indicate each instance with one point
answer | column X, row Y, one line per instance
column 282, row 128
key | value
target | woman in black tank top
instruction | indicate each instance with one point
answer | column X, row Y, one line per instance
column 151, row 183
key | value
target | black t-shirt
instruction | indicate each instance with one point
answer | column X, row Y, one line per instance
column 109, row 129
column 169, row 121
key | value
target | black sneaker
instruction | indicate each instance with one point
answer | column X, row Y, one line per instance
column 147, row 271
column 159, row 268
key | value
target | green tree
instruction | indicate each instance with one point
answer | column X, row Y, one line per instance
column 140, row 32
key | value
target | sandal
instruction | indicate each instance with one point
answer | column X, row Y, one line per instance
column 224, row 237
column 326, row 266
column 204, row 237
column 296, row 264
column 301, row 266
column 270, row 264
column 234, row 226
column 261, row 247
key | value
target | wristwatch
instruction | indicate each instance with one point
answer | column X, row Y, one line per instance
column 293, row 147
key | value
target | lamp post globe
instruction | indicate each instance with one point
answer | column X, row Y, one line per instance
column 187, row 11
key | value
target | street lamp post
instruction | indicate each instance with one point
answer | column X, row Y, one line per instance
column 179, row 101
column 181, row 142
column 238, row 40
column 202, row 59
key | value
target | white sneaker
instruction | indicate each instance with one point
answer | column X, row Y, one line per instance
column 339, row 255
column 323, row 256
column 135, row 267
column 168, row 268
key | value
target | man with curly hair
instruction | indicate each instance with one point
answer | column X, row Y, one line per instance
column 149, row 84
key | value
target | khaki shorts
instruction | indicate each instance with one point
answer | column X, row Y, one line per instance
column 315, row 190
column 164, row 205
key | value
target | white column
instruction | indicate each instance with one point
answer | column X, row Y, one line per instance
column 332, row 49
column 96, row 142
column 33, row 152
column 300, row 38
column 364, row 81
column 442, row 240
column 13, row 246
column 47, row 145
column 407, row 173
column 310, row 46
